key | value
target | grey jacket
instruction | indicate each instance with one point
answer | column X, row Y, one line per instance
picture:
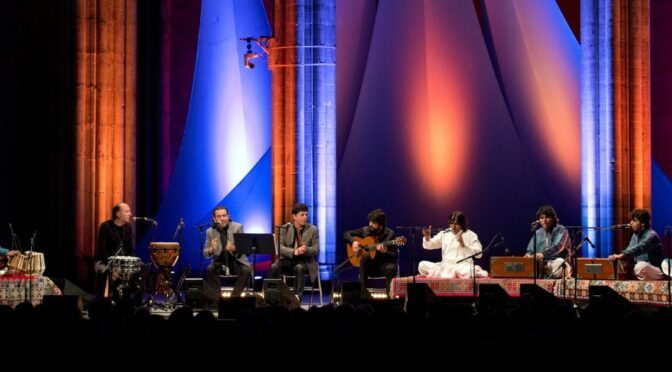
column 212, row 234
column 310, row 237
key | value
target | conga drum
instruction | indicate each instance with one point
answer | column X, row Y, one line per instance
column 164, row 256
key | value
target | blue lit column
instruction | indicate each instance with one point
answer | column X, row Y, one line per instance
column 615, row 117
column 303, row 61
column 596, row 121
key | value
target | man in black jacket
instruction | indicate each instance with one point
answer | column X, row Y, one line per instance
column 384, row 263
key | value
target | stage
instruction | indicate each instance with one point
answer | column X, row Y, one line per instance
column 640, row 292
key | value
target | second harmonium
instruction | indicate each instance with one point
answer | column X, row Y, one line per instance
column 595, row 268
column 512, row 267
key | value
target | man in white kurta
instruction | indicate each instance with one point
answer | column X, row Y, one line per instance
column 456, row 243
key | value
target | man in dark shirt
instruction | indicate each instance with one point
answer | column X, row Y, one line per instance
column 114, row 239
column 645, row 247
column 384, row 261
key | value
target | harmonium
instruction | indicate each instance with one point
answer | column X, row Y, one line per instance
column 595, row 268
column 512, row 267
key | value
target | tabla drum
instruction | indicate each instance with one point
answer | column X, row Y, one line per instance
column 164, row 254
column 125, row 266
column 31, row 263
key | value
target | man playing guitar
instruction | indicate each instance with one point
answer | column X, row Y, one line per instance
column 383, row 262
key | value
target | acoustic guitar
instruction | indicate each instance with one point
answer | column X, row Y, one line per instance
column 368, row 245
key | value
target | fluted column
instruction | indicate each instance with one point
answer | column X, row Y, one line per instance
column 303, row 64
column 615, row 115
column 106, row 116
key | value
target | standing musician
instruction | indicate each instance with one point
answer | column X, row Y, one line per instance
column 115, row 238
column 299, row 245
column 384, row 261
column 219, row 246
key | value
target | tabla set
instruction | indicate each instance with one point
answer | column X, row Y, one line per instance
column 30, row 263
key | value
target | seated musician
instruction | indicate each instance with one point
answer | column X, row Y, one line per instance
column 114, row 239
column 456, row 243
column 7, row 252
column 552, row 244
column 645, row 247
column 299, row 245
column 220, row 247
column 384, row 261
column 4, row 254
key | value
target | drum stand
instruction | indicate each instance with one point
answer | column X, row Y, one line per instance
column 173, row 297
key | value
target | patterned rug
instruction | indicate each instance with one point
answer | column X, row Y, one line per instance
column 641, row 292
column 465, row 287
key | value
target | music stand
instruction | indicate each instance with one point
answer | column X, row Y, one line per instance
column 253, row 244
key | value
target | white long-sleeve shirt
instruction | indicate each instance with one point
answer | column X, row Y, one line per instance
column 451, row 250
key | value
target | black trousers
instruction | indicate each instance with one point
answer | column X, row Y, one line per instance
column 371, row 267
column 216, row 268
column 297, row 268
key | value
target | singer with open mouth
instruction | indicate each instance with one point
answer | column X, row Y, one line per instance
column 645, row 247
column 552, row 243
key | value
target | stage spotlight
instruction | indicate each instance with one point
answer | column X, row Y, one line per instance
column 249, row 56
column 262, row 42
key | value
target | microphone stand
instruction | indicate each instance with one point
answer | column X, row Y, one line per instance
column 534, row 256
column 178, row 288
column 200, row 245
column 562, row 266
column 473, row 270
column 413, row 231
column 335, row 278
column 29, row 296
column 180, row 283
column 576, row 274
column 16, row 243
column 111, row 259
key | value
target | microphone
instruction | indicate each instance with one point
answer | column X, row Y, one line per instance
column 146, row 219
column 180, row 225
column 623, row 226
column 535, row 225
column 283, row 226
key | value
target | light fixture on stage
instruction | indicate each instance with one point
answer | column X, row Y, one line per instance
column 249, row 56
column 262, row 42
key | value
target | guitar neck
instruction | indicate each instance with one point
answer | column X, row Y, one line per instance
column 373, row 246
